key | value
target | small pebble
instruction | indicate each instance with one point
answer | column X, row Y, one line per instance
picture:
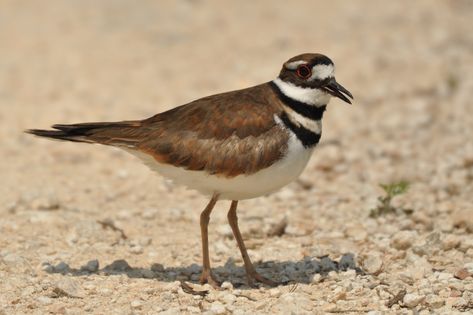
column 229, row 298
column 118, row 265
column 69, row 287
column 225, row 285
column 47, row 267
column 44, row 300
column 327, row 264
column 157, row 267
column 460, row 303
column 347, row 262
column 466, row 244
column 469, row 267
column 136, row 304
column 462, row 274
column 145, row 241
column 450, row 241
column 193, row 309
column 217, row 308
column 147, row 273
column 350, row 274
column 402, row 240
column 373, row 263
column 434, row 301
column 412, row 300
column 137, row 249
column 91, row 266
column 61, row 267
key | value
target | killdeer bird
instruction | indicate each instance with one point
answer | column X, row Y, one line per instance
column 234, row 146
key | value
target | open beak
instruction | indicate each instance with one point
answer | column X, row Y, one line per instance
column 337, row 90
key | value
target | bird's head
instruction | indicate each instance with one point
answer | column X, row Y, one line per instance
column 310, row 78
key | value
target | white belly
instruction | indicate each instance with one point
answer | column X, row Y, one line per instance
column 240, row 187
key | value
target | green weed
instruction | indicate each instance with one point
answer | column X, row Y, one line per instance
column 384, row 202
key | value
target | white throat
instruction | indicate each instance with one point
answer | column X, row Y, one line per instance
column 315, row 97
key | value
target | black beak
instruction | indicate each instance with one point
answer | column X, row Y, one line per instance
column 337, row 90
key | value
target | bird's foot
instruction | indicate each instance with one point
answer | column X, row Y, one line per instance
column 208, row 277
column 253, row 276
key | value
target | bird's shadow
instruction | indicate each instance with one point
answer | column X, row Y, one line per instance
column 284, row 272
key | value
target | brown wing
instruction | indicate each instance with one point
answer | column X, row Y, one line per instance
column 230, row 134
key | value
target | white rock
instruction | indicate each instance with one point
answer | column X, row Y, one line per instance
column 349, row 274
column 229, row 298
column 136, row 304
column 412, row 300
column 373, row 263
column 469, row 267
column 225, row 285
column 105, row 291
column 316, row 278
column 70, row 288
column 44, row 300
column 137, row 249
column 217, row 308
column 443, row 276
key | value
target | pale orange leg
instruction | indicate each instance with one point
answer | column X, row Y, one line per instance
column 251, row 273
column 207, row 276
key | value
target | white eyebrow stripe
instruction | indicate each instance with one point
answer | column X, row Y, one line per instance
column 321, row 72
column 294, row 64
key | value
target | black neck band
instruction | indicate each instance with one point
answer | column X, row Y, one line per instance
column 309, row 111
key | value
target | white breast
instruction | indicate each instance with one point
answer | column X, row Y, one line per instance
column 240, row 187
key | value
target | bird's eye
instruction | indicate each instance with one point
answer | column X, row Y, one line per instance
column 303, row 71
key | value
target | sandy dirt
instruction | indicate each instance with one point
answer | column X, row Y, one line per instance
column 409, row 66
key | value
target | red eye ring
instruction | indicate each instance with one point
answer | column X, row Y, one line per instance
column 304, row 72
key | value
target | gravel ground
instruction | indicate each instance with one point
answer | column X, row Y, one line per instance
column 88, row 229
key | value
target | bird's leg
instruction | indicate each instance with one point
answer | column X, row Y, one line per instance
column 207, row 276
column 251, row 273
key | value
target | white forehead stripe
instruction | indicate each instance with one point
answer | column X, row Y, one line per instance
column 322, row 72
column 294, row 64
column 308, row 96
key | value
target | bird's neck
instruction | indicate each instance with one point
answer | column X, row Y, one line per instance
column 303, row 109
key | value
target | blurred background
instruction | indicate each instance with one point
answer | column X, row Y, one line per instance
column 408, row 64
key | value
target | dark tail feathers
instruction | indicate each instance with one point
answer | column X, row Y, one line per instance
column 110, row 133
